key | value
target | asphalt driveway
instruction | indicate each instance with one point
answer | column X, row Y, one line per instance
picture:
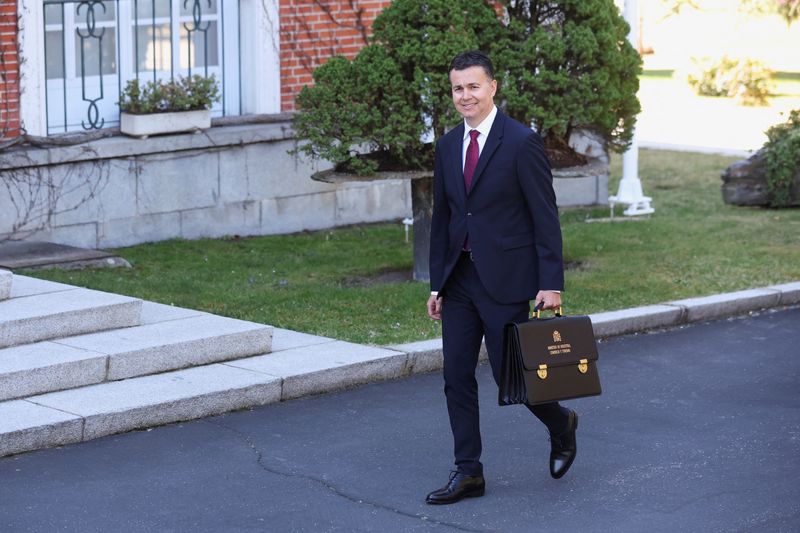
column 698, row 429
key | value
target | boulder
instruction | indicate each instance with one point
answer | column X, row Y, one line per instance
column 745, row 182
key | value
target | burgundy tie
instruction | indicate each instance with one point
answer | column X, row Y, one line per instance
column 471, row 160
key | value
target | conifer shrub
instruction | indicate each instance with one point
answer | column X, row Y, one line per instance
column 561, row 65
column 567, row 64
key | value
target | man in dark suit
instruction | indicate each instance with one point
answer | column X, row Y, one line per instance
column 495, row 245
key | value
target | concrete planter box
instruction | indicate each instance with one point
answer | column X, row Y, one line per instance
column 151, row 124
column 582, row 186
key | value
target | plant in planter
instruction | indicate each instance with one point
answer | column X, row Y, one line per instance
column 565, row 65
column 169, row 106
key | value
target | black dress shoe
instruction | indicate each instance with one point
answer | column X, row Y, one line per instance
column 459, row 487
column 563, row 448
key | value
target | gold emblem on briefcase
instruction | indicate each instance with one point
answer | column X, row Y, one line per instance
column 556, row 336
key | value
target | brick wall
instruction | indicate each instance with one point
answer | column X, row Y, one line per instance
column 313, row 31
column 9, row 71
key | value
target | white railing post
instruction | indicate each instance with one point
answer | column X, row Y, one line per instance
column 630, row 187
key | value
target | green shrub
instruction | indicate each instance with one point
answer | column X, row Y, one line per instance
column 184, row 94
column 565, row 64
column 783, row 159
column 561, row 65
column 395, row 89
column 747, row 79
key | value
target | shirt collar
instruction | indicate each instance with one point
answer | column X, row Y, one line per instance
column 484, row 127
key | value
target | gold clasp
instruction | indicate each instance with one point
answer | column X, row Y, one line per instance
column 542, row 372
column 583, row 366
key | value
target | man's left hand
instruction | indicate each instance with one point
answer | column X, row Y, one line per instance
column 551, row 299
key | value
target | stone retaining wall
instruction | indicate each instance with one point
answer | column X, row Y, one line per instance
column 229, row 180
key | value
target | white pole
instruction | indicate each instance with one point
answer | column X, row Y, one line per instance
column 630, row 187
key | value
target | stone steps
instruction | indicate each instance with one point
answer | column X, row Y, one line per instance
column 77, row 363
column 29, row 318
column 123, row 353
column 304, row 364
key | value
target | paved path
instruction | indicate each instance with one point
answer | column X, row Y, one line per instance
column 698, row 430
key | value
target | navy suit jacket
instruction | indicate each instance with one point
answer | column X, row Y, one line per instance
column 510, row 213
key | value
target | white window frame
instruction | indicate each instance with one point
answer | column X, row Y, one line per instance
column 259, row 60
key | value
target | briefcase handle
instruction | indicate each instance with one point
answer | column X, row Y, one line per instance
column 536, row 312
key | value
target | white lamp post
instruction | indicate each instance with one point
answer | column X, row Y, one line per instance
column 630, row 187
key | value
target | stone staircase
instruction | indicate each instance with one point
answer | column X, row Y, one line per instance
column 76, row 364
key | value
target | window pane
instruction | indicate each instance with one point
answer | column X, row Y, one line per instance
column 103, row 12
column 206, row 7
column 52, row 14
column 196, row 47
column 55, row 58
column 144, row 8
column 93, row 50
column 155, row 52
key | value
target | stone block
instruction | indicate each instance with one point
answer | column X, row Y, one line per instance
column 62, row 314
column 153, row 312
column 142, row 228
column 272, row 172
column 373, row 201
column 423, row 356
column 790, row 292
column 297, row 213
column 635, row 319
column 732, row 303
column 147, row 401
column 25, row 426
column 286, row 339
column 586, row 190
column 47, row 366
column 22, row 196
column 242, row 218
column 327, row 367
column 6, row 278
column 175, row 182
column 174, row 344
column 94, row 191
column 233, row 176
column 26, row 286
column 80, row 235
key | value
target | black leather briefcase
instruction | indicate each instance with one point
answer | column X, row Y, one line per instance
column 548, row 360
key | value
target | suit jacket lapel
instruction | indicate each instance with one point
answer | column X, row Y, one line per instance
column 456, row 163
column 492, row 143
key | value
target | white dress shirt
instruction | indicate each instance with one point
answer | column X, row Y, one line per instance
column 483, row 129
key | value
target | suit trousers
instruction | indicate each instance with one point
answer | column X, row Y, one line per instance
column 468, row 315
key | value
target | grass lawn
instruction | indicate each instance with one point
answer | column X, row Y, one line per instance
column 693, row 245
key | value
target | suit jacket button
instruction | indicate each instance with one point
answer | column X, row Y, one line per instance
column 469, row 214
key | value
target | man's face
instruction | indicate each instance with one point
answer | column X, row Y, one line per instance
column 473, row 93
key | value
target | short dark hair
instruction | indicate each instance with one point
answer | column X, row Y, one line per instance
column 473, row 58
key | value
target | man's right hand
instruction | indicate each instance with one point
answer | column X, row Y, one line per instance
column 435, row 307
